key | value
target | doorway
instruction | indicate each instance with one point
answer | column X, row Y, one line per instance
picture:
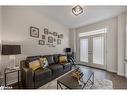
column 93, row 48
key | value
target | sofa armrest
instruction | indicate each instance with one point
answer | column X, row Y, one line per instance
column 70, row 61
column 27, row 75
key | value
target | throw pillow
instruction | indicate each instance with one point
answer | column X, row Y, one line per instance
column 63, row 59
column 34, row 65
column 44, row 62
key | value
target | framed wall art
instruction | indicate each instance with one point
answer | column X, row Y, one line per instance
column 41, row 42
column 54, row 33
column 61, row 35
column 46, row 31
column 51, row 33
column 43, row 36
column 58, row 36
column 50, row 39
column 34, row 32
column 54, row 39
column 58, row 41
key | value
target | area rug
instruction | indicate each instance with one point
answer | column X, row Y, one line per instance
column 98, row 84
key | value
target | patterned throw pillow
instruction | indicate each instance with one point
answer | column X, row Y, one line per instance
column 63, row 59
column 44, row 62
column 34, row 65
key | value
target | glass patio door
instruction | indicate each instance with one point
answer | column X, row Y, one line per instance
column 84, row 50
column 92, row 50
column 98, row 50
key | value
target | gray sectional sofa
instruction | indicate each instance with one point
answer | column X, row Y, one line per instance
column 34, row 79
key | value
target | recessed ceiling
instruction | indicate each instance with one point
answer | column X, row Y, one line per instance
column 91, row 14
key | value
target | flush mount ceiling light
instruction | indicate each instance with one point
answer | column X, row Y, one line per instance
column 77, row 10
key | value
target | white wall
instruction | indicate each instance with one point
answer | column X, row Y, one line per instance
column 126, row 47
column 16, row 22
column 0, row 36
column 121, row 44
column 111, row 25
column 72, row 39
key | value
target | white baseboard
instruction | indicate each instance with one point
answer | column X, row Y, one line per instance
column 121, row 74
column 126, row 70
column 114, row 71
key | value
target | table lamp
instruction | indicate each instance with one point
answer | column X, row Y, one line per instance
column 11, row 50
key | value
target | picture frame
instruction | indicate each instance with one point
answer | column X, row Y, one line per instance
column 58, row 41
column 61, row 35
column 54, row 39
column 41, row 42
column 51, row 33
column 50, row 39
column 58, row 36
column 55, row 34
column 46, row 31
column 34, row 32
column 43, row 37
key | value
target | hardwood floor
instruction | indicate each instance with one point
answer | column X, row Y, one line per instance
column 119, row 82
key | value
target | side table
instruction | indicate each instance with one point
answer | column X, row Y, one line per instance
column 1, row 80
column 8, row 71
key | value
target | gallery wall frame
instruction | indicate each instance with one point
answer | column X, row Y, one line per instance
column 54, row 39
column 34, row 32
column 41, row 42
column 50, row 33
column 58, row 41
column 55, row 34
column 46, row 31
column 61, row 35
column 43, row 37
column 50, row 39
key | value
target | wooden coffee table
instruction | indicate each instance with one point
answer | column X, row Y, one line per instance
column 71, row 82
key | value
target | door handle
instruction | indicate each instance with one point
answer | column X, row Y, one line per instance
column 90, row 52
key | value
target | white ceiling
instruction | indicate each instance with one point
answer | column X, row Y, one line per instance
column 91, row 14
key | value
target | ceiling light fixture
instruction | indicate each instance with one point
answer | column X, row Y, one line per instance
column 77, row 10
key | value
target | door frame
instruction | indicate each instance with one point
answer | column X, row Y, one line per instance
column 91, row 64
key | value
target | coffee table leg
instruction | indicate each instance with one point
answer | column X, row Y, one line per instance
column 60, row 86
column 93, row 78
column 57, row 84
column 5, row 79
column 18, row 79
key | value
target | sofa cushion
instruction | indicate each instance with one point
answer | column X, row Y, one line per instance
column 42, row 74
column 34, row 65
column 63, row 59
column 43, row 62
column 67, row 65
column 50, row 59
column 56, row 58
column 56, row 68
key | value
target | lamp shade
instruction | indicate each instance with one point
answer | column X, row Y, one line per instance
column 11, row 49
column 67, row 49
